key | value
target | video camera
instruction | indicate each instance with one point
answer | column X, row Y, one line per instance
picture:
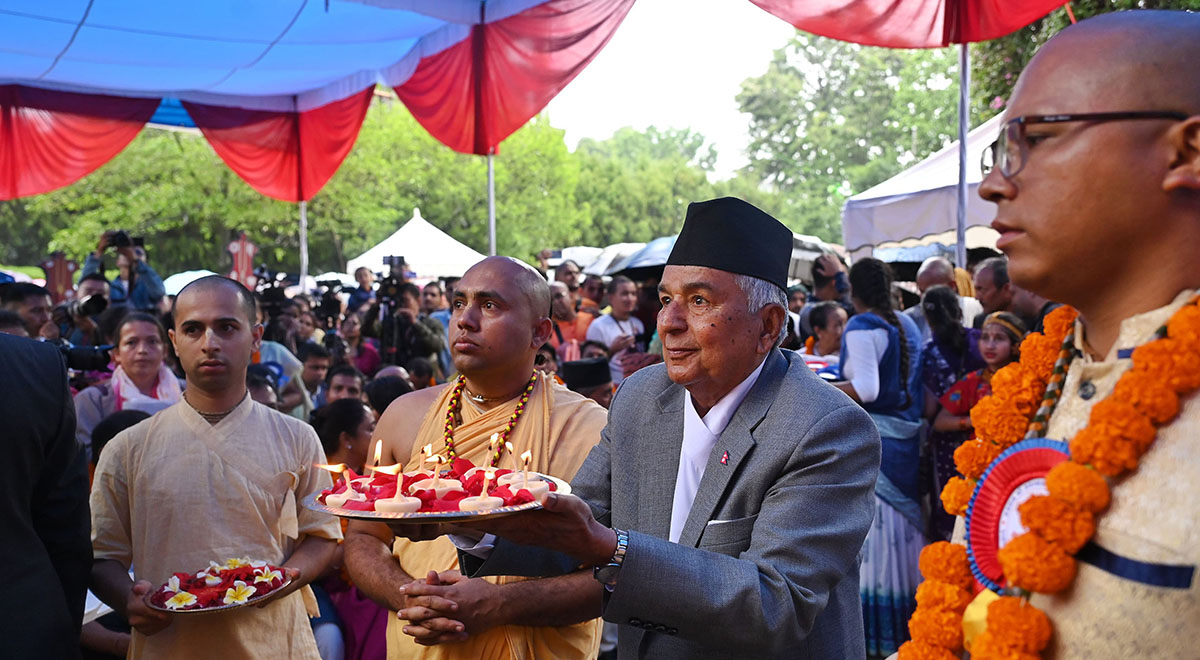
column 84, row 358
column 271, row 295
column 86, row 306
column 121, row 239
column 389, row 287
column 329, row 308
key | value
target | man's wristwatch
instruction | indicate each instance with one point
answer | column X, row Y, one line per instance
column 607, row 574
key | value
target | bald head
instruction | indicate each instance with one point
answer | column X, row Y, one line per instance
column 218, row 283
column 529, row 283
column 936, row 271
column 1129, row 60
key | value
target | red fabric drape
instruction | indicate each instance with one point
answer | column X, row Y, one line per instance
column 476, row 93
column 52, row 139
column 285, row 155
column 910, row 23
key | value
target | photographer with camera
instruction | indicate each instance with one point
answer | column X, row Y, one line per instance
column 404, row 332
column 136, row 284
column 77, row 318
column 365, row 293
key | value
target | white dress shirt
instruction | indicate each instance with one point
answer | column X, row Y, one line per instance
column 700, row 435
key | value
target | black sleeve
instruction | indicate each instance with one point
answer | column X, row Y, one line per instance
column 59, row 506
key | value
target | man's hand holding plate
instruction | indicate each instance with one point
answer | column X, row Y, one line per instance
column 564, row 523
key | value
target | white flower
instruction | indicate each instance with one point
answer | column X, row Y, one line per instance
column 267, row 576
column 181, row 600
column 173, row 584
column 237, row 594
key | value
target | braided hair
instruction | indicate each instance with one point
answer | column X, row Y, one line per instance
column 871, row 284
column 942, row 311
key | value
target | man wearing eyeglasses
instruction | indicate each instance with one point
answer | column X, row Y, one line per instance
column 1096, row 177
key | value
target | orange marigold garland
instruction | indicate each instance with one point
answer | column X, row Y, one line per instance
column 957, row 495
column 1120, row 429
column 974, row 456
column 945, row 562
column 987, row 647
column 1016, row 624
column 1039, row 352
column 1171, row 361
column 1184, row 327
column 1149, row 395
column 1059, row 323
column 998, row 423
column 1058, row 522
column 932, row 594
column 1020, row 387
column 1078, row 485
column 1035, row 564
column 937, row 627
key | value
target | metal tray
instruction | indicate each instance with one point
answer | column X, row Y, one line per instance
column 218, row 608
column 432, row 517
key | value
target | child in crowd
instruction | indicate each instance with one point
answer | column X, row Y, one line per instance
column 999, row 344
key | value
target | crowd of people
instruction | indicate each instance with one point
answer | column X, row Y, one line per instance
column 337, row 373
column 756, row 470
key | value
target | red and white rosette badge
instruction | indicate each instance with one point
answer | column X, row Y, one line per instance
column 993, row 519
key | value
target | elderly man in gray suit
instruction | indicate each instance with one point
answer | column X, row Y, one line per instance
column 724, row 509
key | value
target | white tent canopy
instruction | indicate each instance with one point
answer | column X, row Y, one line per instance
column 922, row 200
column 428, row 251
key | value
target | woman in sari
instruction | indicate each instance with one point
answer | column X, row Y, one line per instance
column 952, row 352
column 881, row 365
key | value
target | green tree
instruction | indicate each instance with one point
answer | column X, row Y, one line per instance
column 996, row 64
column 636, row 185
column 830, row 119
column 172, row 188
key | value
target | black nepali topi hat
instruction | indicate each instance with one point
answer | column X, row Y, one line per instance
column 586, row 374
column 735, row 236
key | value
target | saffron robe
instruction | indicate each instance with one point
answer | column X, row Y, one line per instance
column 173, row 493
column 559, row 427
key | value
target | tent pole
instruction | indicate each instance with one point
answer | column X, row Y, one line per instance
column 303, row 244
column 964, row 121
column 491, row 194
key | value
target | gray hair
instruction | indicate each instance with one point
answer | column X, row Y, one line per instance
column 761, row 293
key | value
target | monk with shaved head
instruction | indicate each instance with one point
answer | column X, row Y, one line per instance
column 500, row 316
column 1096, row 178
column 214, row 477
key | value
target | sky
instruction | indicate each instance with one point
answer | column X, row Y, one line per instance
column 674, row 64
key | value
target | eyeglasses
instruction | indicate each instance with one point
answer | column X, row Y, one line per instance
column 1010, row 150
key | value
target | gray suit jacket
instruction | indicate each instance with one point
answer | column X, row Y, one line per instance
column 767, row 564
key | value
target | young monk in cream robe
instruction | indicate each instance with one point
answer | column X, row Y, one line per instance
column 174, row 493
column 559, row 427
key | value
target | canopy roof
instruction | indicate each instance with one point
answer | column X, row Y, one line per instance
column 292, row 55
column 428, row 251
column 910, row 23
column 278, row 87
column 921, row 200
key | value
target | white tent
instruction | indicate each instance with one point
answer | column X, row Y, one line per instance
column 923, row 200
column 428, row 251
column 611, row 255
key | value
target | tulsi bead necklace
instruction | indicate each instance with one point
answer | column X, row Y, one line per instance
column 455, row 404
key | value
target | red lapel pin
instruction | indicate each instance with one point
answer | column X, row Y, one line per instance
column 725, row 458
